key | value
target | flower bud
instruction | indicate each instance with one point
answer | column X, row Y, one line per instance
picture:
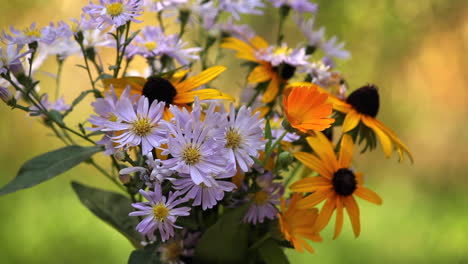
column 17, row 69
column 6, row 95
column 125, row 178
column 285, row 159
column 119, row 155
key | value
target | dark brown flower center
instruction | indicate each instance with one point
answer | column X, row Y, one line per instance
column 287, row 71
column 160, row 89
column 344, row 182
column 365, row 100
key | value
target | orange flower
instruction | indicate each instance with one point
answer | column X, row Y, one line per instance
column 297, row 224
column 306, row 108
column 337, row 184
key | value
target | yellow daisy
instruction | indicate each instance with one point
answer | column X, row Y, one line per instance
column 175, row 90
column 298, row 224
column 264, row 71
column 337, row 184
column 362, row 106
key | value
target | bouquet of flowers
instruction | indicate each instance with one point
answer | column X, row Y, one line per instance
column 200, row 171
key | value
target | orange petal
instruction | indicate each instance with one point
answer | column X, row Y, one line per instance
column 313, row 199
column 353, row 212
column 339, row 217
column 325, row 213
column 311, row 184
column 346, row 151
column 315, row 164
column 324, row 149
column 368, row 195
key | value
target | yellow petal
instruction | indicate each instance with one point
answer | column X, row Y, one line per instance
column 351, row 121
column 259, row 43
column 315, row 164
column 346, row 151
column 136, row 84
column 313, row 199
column 399, row 144
column 368, row 195
column 261, row 73
column 244, row 50
column 326, row 213
column 271, row 91
column 199, row 79
column 324, row 149
column 311, row 184
column 353, row 212
column 203, row 94
column 384, row 139
column 339, row 218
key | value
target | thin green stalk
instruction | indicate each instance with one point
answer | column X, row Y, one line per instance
column 59, row 75
column 260, row 242
column 270, row 150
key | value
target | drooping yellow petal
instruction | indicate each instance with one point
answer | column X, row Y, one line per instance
column 315, row 164
column 326, row 213
column 311, row 184
column 346, row 151
column 384, row 139
column 324, row 149
column 353, row 212
column 368, row 195
column 203, row 94
column 200, row 79
column 339, row 218
column 261, row 73
column 272, row 90
column 351, row 121
column 313, row 199
column 399, row 144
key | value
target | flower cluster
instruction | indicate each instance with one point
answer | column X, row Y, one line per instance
column 198, row 166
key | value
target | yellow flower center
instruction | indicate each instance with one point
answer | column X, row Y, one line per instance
column 115, row 9
column 150, row 45
column 191, row 155
column 282, row 50
column 233, row 139
column 260, row 198
column 160, row 212
column 142, row 127
column 32, row 33
column 171, row 252
column 113, row 118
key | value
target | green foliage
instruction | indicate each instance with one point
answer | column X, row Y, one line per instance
column 272, row 253
column 113, row 208
column 146, row 255
column 226, row 241
column 47, row 166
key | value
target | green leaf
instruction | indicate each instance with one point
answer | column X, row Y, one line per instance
column 272, row 253
column 226, row 241
column 147, row 255
column 111, row 207
column 48, row 165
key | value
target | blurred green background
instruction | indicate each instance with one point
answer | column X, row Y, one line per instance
column 415, row 51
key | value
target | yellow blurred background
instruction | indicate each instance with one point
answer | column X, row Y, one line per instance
column 415, row 51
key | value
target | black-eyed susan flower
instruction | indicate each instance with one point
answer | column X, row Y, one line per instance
column 297, row 224
column 337, row 183
column 173, row 91
column 274, row 64
column 361, row 107
column 306, row 108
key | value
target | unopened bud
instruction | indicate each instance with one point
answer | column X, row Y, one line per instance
column 6, row 95
column 17, row 69
column 125, row 178
column 119, row 155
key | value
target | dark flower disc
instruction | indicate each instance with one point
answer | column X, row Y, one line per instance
column 365, row 100
column 160, row 89
column 344, row 182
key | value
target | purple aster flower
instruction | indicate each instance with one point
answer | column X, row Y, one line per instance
column 5, row 94
column 202, row 194
column 114, row 12
column 196, row 147
column 153, row 174
column 59, row 105
column 236, row 7
column 161, row 213
column 263, row 202
column 83, row 24
column 158, row 6
column 314, row 37
column 333, row 49
column 137, row 124
column 244, row 136
column 10, row 57
column 244, row 32
column 284, row 54
column 300, row 6
column 29, row 35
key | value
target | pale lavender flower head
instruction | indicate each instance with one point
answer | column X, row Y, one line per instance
column 237, row 7
column 207, row 11
column 5, row 94
column 202, row 194
column 114, row 12
column 244, row 32
column 244, row 136
column 334, row 49
column 153, row 174
column 263, row 202
column 315, row 38
column 11, row 56
column 319, row 72
column 161, row 213
column 300, row 6
column 59, row 105
column 137, row 124
column 83, row 24
column 283, row 54
column 31, row 34
column 196, row 147
column 158, row 6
